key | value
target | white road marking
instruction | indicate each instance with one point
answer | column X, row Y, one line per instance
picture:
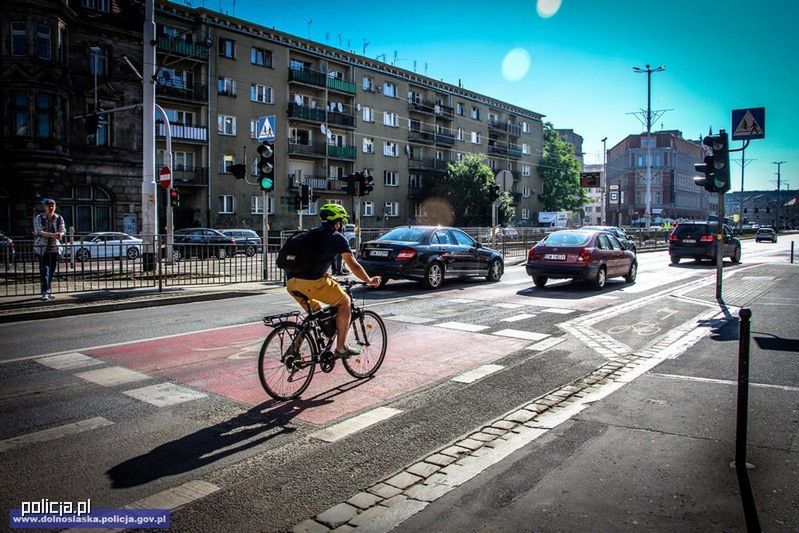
column 757, row 278
column 725, row 382
column 355, row 424
column 477, row 373
column 606, row 297
column 164, row 394
column 421, row 296
column 461, row 300
column 69, row 361
column 461, row 326
column 53, row 433
column 546, row 344
column 113, row 375
column 516, row 318
column 409, row 319
column 508, row 305
column 558, row 311
column 520, row 334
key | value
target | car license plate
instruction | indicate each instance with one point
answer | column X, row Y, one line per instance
column 378, row 253
column 689, row 241
column 556, row 257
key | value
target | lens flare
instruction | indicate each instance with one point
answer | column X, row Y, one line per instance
column 547, row 8
column 516, row 64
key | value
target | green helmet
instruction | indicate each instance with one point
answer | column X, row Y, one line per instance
column 333, row 213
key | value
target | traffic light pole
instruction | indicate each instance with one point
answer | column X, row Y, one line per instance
column 148, row 185
column 300, row 182
column 170, row 219
column 265, row 233
column 720, row 246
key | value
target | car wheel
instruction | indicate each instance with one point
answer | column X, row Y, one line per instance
column 540, row 281
column 249, row 251
column 495, row 270
column 434, row 275
column 133, row 253
column 675, row 260
column 601, row 278
column 82, row 255
column 221, row 253
column 632, row 274
column 176, row 254
column 736, row 256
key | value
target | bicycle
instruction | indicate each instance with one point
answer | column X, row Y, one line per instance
column 297, row 344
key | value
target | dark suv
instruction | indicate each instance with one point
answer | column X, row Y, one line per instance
column 623, row 238
column 247, row 241
column 202, row 243
column 696, row 241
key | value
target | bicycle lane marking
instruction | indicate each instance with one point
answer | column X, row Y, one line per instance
column 224, row 362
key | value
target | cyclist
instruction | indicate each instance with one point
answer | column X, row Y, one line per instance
column 315, row 282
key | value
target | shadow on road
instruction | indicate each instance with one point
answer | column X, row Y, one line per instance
column 572, row 289
column 777, row 343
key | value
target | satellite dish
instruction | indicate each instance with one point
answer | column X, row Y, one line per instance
column 407, row 150
column 298, row 99
column 340, row 107
column 331, row 74
column 329, row 135
column 323, row 129
column 358, row 106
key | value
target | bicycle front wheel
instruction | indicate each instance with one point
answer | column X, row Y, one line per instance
column 285, row 364
column 368, row 332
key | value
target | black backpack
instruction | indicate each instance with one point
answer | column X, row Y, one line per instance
column 298, row 254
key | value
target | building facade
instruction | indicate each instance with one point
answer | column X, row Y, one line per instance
column 674, row 194
column 594, row 209
column 761, row 207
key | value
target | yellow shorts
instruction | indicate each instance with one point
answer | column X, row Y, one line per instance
column 324, row 289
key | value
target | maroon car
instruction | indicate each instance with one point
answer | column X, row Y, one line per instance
column 588, row 255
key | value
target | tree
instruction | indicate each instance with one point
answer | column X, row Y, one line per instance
column 560, row 173
column 465, row 187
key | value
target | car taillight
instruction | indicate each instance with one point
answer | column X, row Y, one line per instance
column 584, row 256
column 673, row 238
column 706, row 238
column 232, row 241
column 406, row 254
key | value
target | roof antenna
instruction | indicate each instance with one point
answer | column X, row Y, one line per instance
column 365, row 44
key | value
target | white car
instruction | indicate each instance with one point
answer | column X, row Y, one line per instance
column 103, row 244
column 349, row 234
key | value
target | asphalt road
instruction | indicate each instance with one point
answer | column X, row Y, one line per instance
column 145, row 401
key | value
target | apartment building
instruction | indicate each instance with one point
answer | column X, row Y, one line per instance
column 593, row 211
column 674, row 194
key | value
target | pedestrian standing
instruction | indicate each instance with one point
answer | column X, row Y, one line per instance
column 48, row 227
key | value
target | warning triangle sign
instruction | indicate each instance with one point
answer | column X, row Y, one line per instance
column 748, row 125
column 266, row 130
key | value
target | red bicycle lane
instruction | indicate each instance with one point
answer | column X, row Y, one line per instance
column 224, row 362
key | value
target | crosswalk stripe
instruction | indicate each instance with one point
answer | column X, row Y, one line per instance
column 461, row 300
column 516, row 318
column 53, row 433
column 164, row 394
column 113, row 375
column 558, row 311
column 546, row 344
column 410, row 319
column 461, row 326
column 520, row 334
column 508, row 305
column 355, row 424
column 69, row 361
column 477, row 373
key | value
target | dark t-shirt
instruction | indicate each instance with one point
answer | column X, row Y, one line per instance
column 331, row 243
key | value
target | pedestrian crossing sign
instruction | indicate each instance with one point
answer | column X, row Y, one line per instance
column 265, row 128
column 748, row 123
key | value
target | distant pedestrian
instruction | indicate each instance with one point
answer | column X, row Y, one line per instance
column 48, row 227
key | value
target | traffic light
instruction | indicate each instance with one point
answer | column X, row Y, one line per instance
column 716, row 168
column 305, row 196
column 365, row 183
column 174, row 198
column 349, row 186
column 493, row 192
column 266, row 166
column 238, row 171
column 297, row 203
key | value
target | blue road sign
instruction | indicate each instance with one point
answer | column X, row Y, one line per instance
column 748, row 123
column 265, row 128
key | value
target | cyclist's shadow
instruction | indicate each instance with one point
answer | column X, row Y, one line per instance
column 247, row 430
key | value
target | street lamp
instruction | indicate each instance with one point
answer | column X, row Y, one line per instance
column 605, row 174
column 649, row 70
column 779, row 164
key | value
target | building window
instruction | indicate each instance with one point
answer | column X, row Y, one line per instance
column 476, row 137
column 368, row 145
column 226, row 125
column 525, row 148
column 44, row 41
column 368, row 114
column 44, row 116
column 226, row 86
column 102, row 136
column 390, row 149
column 475, row 113
column 225, row 162
column 525, row 213
column 227, row 48
column 368, row 84
column 257, row 205
column 460, row 134
column 647, row 143
column 260, row 57
column 390, row 119
column 525, row 127
column 260, row 93
column 368, row 209
column 390, row 89
column 98, row 61
column 492, row 164
column 19, row 39
column 526, row 170
column 227, row 204
column 21, row 113
column 99, row 5
column 391, row 209
column 526, row 192
column 86, row 208
column 459, row 108
column 253, row 127
column 390, row 179
column 418, row 209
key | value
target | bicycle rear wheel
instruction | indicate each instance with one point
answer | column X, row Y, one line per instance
column 368, row 332
column 286, row 372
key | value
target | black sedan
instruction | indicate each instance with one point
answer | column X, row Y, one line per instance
column 429, row 254
column 624, row 239
column 202, row 243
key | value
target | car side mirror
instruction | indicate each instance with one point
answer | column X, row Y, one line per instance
column 476, row 244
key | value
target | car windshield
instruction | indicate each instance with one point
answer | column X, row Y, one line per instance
column 691, row 230
column 566, row 238
column 404, row 235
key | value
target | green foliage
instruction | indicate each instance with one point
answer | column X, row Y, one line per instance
column 560, row 173
column 465, row 187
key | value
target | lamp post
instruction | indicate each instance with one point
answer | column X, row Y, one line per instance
column 606, row 187
column 95, row 50
column 649, row 72
column 779, row 164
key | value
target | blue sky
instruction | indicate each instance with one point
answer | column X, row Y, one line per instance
column 743, row 54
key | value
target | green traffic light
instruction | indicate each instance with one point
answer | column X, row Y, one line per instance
column 267, row 184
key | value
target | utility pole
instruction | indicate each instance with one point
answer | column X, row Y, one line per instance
column 649, row 72
column 779, row 164
column 606, row 187
column 148, row 186
column 743, row 164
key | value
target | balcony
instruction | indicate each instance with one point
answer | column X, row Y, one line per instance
column 446, row 139
column 418, row 193
column 514, row 151
column 178, row 89
column 303, row 112
column 442, row 164
column 342, row 86
column 319, row 183
column 179, row 47
column 497, row 149
column 419, row 134
column 191, row 177
column 307, row 76
column 421, row 163
column 515, row 198
column 341, row 152
column 517, row 176
column 182, row 132
column 513, row 129
column 341, row 119
column 306, row 148
column 496, row 125
column 444, row 111
column 421, row 106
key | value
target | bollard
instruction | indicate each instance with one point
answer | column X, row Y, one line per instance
column 792, row 243
column 743, row 387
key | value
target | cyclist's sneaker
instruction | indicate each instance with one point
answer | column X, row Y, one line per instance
column 347, row 351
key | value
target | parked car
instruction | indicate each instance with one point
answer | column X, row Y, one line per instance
column 7, row 252
column 766, row 234
column 617, row 232
column 103, row 245
column 508, row 234
column 349, row 234
column 429, row 254
column 202, row 243
column 247, row 241
column 696, row 240
column 591, row 255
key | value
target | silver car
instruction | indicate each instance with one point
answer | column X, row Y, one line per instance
column 103, row 244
